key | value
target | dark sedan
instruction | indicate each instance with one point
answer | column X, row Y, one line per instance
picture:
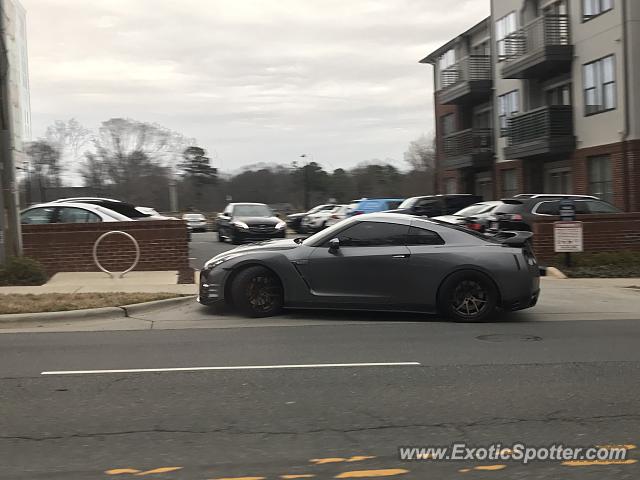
column 380, row 261
column 244, row 222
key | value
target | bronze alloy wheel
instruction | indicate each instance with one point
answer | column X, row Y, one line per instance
column 470, row 299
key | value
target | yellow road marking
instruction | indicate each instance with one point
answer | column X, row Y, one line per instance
column 490, row 468
column 122, row 471
column 629, row 446
column 323, row 461
column 293, row 477
column 158, row 470
column 590, row 463
column 372, row 473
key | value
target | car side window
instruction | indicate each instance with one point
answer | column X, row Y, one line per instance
column 422, row 236
column 373, row 234
column 548, row 208
column 77, row 215
column 596, row 206
column 37, row 216
column 393, row 204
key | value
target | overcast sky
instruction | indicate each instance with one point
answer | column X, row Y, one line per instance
column 251, row 80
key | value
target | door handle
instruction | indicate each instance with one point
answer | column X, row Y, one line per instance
column 404, row 255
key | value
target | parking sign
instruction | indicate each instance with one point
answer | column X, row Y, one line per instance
column 567, row 237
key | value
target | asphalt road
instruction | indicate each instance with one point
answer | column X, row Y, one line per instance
column 539, row 383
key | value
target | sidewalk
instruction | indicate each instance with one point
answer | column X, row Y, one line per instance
column 92, row 282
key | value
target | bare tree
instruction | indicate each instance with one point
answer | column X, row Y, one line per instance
column 44, row 167
column 70, row 138
column 421, row 154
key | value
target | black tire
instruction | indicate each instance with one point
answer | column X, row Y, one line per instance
column 235, row 239
column 468, row 296
column 221, row 238
column 257, row 292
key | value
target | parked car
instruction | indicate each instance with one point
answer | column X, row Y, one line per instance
column 373, row 205
column 69, row 212
column 294, row 221
column 381, row 261
column 241, row 222
column 315, row 222
column 127, row 209
column 196, row 222
column 338, row 214
column 437, row 205
column 475, row 217
column 518, row 214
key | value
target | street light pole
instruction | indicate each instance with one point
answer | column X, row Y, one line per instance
column 12, row 234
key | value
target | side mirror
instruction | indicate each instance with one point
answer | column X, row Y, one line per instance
column 334, row 245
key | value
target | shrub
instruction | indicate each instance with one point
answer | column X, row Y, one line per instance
column 22, row 271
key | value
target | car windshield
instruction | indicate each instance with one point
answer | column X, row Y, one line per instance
column 409, row 202
column 477, row 209
column 252, row 211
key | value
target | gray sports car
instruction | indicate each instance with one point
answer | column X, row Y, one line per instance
column 380, row 261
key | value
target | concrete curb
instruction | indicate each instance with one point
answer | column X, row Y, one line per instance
column 555, row 273
column 139, row 308
column 95, row 313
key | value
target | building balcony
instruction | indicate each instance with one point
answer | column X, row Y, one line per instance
column 543, row 131
column 541, row 49
column 472, row 148
column 467, row 81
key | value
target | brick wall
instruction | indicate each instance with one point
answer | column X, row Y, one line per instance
column 601, row 233
column 69, row 247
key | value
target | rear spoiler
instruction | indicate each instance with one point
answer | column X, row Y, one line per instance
column 513, row 239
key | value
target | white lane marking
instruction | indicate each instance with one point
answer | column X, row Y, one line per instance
column 247, row 367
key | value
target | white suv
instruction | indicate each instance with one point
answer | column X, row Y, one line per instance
column 319, row 220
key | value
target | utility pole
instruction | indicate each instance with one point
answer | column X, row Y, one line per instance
column 10, row 213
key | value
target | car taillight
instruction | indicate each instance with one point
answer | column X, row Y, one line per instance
column 335, row 217
column 516, row 216
column 475, row 226
column 358, row 212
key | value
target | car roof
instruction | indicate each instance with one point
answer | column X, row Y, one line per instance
column 554, row 195
column 86, row 206
column 247, row 203
column 87, row 199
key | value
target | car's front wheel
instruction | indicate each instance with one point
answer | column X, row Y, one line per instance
column 468, row 297
column 257, row 292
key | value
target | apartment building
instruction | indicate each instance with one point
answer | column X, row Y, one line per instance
column 539, row 97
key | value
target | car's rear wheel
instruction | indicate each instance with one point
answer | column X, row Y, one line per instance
column 221, row 238
column 257, row 292
column 468, row 297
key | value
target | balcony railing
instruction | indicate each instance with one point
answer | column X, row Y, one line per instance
column 467, row 81
column 468, row 69
column 541, row 46
column 466, row 147
column 545, row 130
column 542, row 32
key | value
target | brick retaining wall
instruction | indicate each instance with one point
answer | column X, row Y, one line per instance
column 602, row 233
column 69, row 247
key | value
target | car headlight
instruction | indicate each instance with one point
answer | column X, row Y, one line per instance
column 281, row 225
column 215, row 261
column 240, row 224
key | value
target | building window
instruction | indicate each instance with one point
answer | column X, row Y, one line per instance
column 509, row 105
column 447, row 59
column 448, row 124
column 558, row 180
column 559, row 95
column 599, row 85
column 593, row 8
column 505, row 26
column 509, row 183
column 600, row 183
column 450, row 186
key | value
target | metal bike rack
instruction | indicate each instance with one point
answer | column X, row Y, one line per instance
column 105, row 235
